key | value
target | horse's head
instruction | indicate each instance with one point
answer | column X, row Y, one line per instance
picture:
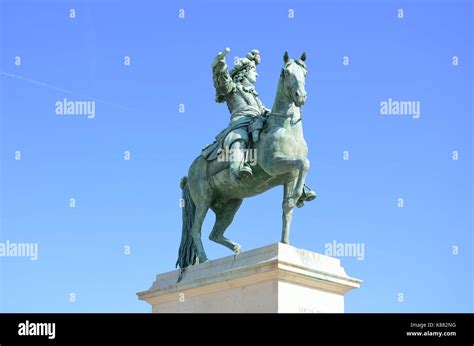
column 293, row 77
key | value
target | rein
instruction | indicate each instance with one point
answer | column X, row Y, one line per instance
column 282, row 76
column 292, row 122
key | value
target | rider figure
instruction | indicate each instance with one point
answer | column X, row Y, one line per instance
column 237, row 89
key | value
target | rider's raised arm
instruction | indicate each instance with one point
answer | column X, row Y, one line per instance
column 221, row 77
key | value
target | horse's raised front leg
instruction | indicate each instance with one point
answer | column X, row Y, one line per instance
column 303, row 170
column 281, row 165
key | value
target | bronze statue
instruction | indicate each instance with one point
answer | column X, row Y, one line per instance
column 276, row 138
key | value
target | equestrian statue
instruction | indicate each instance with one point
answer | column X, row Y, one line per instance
column 223, row 175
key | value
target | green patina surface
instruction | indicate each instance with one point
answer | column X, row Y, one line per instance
column 259, row 150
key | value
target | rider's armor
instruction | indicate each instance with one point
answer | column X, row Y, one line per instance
column 246, row 109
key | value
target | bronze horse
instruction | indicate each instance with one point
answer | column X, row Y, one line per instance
column 281, row 160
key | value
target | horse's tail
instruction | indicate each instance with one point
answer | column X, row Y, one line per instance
column 187, row 254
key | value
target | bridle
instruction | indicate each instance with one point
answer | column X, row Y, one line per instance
column 282, row 76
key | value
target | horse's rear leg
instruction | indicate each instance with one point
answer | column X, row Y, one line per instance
column 224, row 216
column 199, row 216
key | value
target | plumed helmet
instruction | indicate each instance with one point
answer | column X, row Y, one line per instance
column 254, row 55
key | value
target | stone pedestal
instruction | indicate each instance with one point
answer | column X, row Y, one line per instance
column 274, row 278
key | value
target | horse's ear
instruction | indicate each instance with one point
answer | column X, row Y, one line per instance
column 303, row 56
column 286, row 57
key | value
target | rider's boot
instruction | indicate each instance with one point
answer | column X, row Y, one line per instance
column 255, row 135
column 238, row 166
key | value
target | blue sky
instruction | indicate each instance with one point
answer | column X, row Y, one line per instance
column 135, row 203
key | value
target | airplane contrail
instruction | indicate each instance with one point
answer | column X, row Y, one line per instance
column 11, row 75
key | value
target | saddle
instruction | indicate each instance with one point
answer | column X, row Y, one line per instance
column 211, row 151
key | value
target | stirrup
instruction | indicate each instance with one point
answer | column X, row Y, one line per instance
column 308, row 194
column 245, row 172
